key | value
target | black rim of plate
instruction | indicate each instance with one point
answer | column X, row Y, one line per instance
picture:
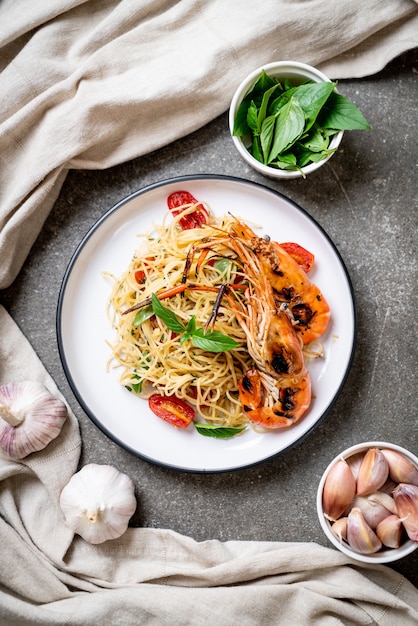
column 61, row 296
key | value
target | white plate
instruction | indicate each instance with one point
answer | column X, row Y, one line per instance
column 83, row 327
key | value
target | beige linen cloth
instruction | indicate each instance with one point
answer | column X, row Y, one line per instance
column 89, row 85
column 151, row 576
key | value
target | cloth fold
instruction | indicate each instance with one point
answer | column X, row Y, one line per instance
column 48, row 575
column 93, row 83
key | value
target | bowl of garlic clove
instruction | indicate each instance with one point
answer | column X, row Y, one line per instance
column 367, row 502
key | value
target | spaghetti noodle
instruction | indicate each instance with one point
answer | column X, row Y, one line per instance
column 153, row 358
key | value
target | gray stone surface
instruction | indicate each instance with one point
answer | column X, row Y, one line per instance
column 365, row 197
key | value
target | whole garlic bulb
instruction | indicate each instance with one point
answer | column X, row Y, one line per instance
column 98, row 502
column 30, row 417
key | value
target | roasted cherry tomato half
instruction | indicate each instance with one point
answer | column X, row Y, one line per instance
column 139, row 274
column 303, row 257
column 171, row 410
column 193, row 220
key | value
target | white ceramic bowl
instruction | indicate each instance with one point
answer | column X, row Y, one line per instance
column 296, row 73
column 384, row 555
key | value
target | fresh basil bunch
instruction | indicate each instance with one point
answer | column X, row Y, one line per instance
column 292, row 126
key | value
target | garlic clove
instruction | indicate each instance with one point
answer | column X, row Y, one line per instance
column 339, row 528
column 383, row 499
column 98, row 503
column 406, row 500
column 401, row 470
column 354, row 462
column 390, row 531
column 373, row 472
column 360, row 536
column 30, row 417
column 373, row 510
column 339, row 490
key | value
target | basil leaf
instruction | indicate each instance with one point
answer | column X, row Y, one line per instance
column 306, row 156
column 283, row 99
column 315, row 141
column 263, row 108
column 222, row 265
column 191, row 325
column 241, row 128
column 189, row 331
column 135, row 387
column 219, row 432
column 266, row 136
column 253, row 95
column 252, row 118
column 287, row 85
column 289, row 127
column 143, row 314
column 275, row 106
column 256, row 149
column 263, row 83
column 225, row 267
column 213, row 341
column 169, row 318
column 303, row 154
column 318, row 156
column 312, row 97
column 340, row 113
column 287, row 161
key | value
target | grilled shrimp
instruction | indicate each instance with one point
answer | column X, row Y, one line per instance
column 273, row 403
column 276, row 393
column 309, row 310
